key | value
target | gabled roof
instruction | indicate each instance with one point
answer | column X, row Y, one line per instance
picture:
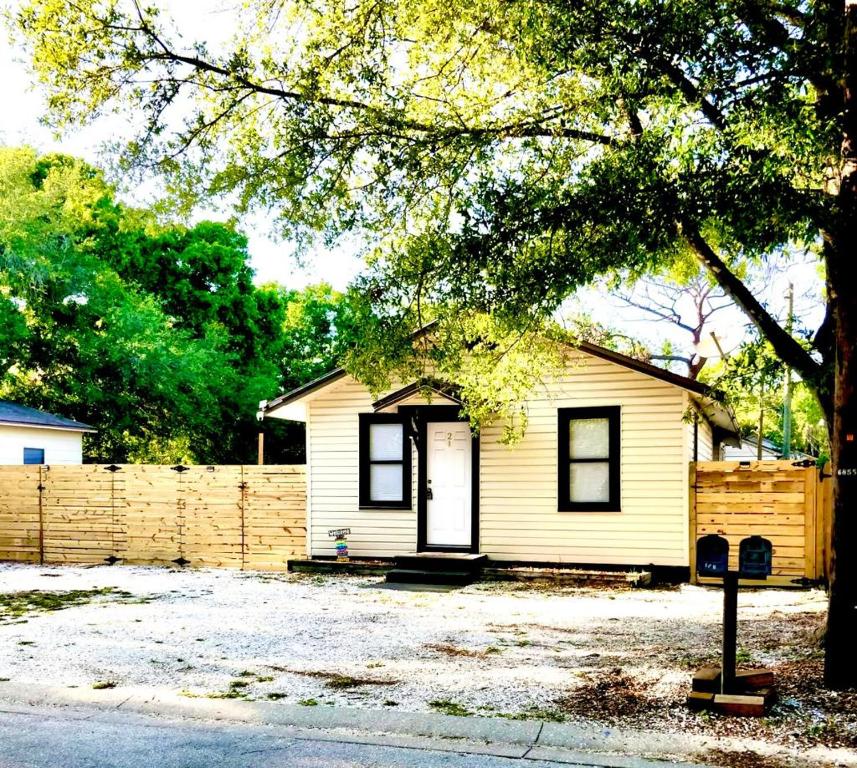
column 14, row 414
column 444, row 390
column 724, row 418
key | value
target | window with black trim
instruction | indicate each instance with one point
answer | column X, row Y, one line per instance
column 385, row 461
column 589, row 459
column 34, row 455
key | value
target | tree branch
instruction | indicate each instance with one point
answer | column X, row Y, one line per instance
column 786, row 347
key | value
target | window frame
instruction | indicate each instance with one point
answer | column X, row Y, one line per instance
column 564, row 418
column 365, row 500
column 33, row 463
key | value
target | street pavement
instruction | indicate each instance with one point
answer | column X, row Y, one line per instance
column 41, row 737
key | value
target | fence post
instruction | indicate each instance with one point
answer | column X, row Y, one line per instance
column 691, row 495
column 242, row 501
column 41, row 489
column 810, row 507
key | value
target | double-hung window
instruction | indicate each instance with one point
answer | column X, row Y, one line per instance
column 385, row 461
column 588, row 454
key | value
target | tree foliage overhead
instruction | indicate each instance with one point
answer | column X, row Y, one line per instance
column 503, row 153
column 155, row 334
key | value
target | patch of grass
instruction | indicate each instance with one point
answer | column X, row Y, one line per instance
column 390, row 703
column 374, row 664
column 338, row 681
column 264, row 679
column 276, row 696
column 743, row 656
column 454, row 650
column 247, row 673
column 523, row 643
column 26, row 642
column 5, row 679
column 308, row 703
column 535, row 713
column 101, row 685
column 239, row 683
column 493, row 649
column 13, row 605
column 449, row 707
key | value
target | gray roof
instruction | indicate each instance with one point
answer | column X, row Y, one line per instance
column 21, row 415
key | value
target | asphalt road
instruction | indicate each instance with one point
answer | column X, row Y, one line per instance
column 52, row 739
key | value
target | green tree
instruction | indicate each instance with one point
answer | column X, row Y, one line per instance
column 504, row 153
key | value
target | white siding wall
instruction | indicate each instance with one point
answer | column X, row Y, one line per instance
column 333, row 466
column 60, row 446
column 518, row 485
column 518, row 507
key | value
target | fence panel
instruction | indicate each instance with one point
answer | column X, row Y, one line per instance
column 20, row 513
column 773, row 499
column 218, row 516
column 274, row 515
column 80, row 518
column 151, row 514
column 212, row 508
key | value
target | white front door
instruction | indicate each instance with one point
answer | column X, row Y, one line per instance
column 448, row 488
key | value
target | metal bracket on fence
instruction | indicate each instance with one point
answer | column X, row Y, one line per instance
column 242, row 486
column 804, row 463
column 180, row 561
column 113, row 468
column 112, row 559
column 41, row 488
column 180, row 468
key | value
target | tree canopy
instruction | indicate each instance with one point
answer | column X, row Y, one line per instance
column 153, row 333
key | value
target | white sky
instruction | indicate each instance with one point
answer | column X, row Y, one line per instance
column 272, row 260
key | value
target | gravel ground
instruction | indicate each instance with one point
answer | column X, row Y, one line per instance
column 616, row 656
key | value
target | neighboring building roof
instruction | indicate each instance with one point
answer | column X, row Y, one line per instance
column 749, row 448
column 14, row 414
column 717, row 413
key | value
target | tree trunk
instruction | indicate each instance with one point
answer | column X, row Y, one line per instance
column 840, row 244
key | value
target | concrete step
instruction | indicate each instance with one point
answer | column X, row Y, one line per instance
column 415, row 576
column 441, row 561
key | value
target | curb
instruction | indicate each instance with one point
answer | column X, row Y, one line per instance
column 530, row 739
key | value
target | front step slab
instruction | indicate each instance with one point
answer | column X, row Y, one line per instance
column 415, row 576
column 441, row 561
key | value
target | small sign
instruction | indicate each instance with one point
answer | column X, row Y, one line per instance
column 847, row 472
column 341, row 543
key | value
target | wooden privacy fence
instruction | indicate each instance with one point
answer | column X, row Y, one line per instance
column 781, row 501
column 222, row 516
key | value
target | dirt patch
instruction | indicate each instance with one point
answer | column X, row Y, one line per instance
column 609, row 694
column 746, row 759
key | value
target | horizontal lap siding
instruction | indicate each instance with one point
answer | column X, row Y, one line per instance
column 519, row 517
column 333, row 468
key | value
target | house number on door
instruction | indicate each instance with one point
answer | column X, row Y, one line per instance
column 449, row 439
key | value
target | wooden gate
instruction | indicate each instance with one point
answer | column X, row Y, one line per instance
column 782, row 501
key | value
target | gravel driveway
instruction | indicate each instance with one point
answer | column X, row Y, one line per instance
column 613, row 655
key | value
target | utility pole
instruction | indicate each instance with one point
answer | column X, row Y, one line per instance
column 761, row 417
column 787, row 384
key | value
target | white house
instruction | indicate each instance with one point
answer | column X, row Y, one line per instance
column 29, row 436
column 600, row 477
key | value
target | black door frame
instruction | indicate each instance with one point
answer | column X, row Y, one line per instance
column 421, row 416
